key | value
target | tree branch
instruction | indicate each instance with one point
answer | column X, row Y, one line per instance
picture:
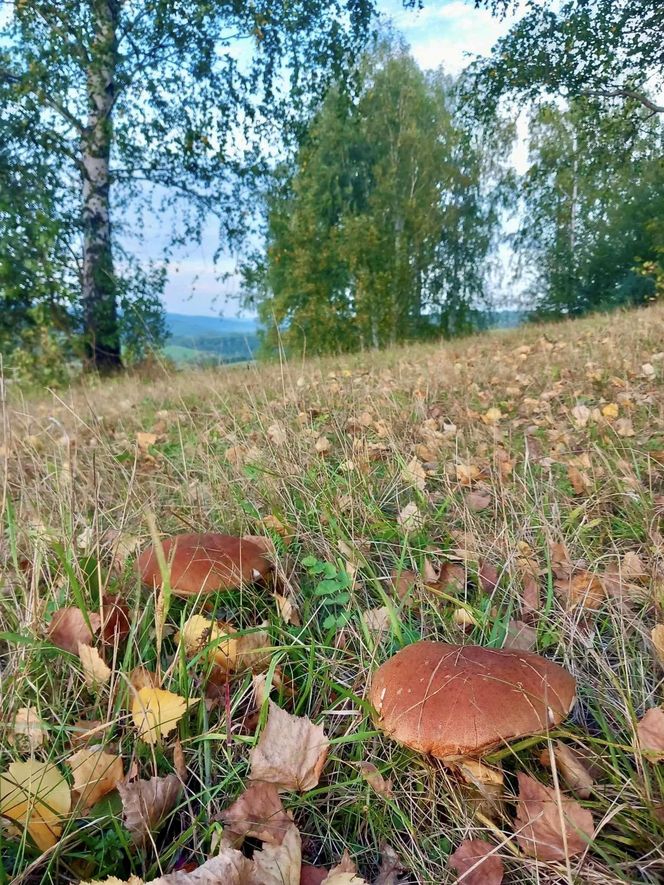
column 630, row 93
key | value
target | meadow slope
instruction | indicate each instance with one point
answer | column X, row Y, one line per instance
column 506, row 488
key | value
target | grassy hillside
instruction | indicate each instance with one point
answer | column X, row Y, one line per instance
column 503, row 490
column 208, row 340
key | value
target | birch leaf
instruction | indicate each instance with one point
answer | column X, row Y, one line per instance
column 28, row 730
column 290, row 753
column 146, row 803
column 157, row 712
column 95, row 671
column 258, row 812
column 96, row 773
column 35, row 795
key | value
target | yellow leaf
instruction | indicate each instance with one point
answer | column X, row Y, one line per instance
column 156, row 713
column 610, row 411
column 95, row 671
column 492, row 416
column 37, row 796
column 199, row 632
column 95, row 774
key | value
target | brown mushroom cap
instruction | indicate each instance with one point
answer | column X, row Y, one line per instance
column 204, row 563
column 454, row 701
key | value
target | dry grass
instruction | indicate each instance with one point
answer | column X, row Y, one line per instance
column 236, row 446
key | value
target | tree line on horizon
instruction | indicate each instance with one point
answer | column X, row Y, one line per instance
column 380, row 194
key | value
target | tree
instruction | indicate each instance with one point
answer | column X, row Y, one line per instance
column 609, row 49
column 379, row 231
column 175, row 100
column 592, row 199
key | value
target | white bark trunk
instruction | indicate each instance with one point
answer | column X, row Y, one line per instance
column 98, row 279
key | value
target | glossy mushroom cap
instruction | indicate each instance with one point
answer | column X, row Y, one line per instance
column 454, row 701
column 204, row 563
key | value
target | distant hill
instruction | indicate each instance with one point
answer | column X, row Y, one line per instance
column 209, row 339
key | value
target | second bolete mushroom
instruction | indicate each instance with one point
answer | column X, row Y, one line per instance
column 204, row 563
column 455, row 701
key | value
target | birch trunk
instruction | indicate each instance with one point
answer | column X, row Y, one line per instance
column 100, row 310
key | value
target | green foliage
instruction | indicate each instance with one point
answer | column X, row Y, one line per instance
column 148, row 105
column 592, row 198
column 380, row 231
column 611, row 49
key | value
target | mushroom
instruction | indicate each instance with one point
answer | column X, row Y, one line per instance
column 455, row 701
column 204, row 563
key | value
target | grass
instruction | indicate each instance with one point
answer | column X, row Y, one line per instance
column 236, row 446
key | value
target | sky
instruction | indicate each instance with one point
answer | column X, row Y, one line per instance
column 446, row 32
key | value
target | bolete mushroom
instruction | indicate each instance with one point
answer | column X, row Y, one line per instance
column 204, row 563
column 455, row 701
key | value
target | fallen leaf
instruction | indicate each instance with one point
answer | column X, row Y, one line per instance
column 68, row 628
column 632, row 567
column 114, row 617
column 145, row 804
column 582, row 588
column 650, row 733
column 377, row 619
column 28, row 731
column 657, row 637
column 156, row 713
column 487, row 781
column 230, row 867
column 391, row 868
column 200, row 633
column 624, row 427
column 414, row 474
column 277, row 433
column 278, row 864
column 478, row 500
column 287, row 610
column 410, row 519
column 140, row 677
column 550, row 826
column 344, row 873
column 403, row 582
column 144, row 440
column 254, row 651
column 571, row 768
column 323, row 446
column 86, row 731
column 581, row 415
column 290, row 753
column 464, row 619
column 467, row 474
column 610, row 411
column 488, row 577
column 310, row 875
column 35, row 795
column 477, row 863
column 95, row 774
column 492, row 416
column 520, row 635
column 375, row 779
column 95, row 670
column 579, row 481
column 259, row 813
column 179, row 762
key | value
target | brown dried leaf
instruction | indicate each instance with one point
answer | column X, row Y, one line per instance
column 68, row 628
column 230, row 867
column 290, row 753
column 288, row 610
column 582, row 588
column 95, row 773
column 375, row 779
column 28, row 731
column 278, row 864
column 478, row 500
column 391, row 867
column 258, row 812
column 310, row 875
column 520, row 635
column 403, row 582
column 488, row 577
column 254, row 651
column 571, row 768
column 144, row 440
column 141, row 677
column 114, row 615
column 548, row 825
column 414, row 474
column 650, row 733
column 477, row 864
column 377, row 619
column 657, row 637
column 410, row 518
column 146, row 803
column 580, row 482
column 179, row 762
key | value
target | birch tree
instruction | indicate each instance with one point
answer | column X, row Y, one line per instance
column 168, row 102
